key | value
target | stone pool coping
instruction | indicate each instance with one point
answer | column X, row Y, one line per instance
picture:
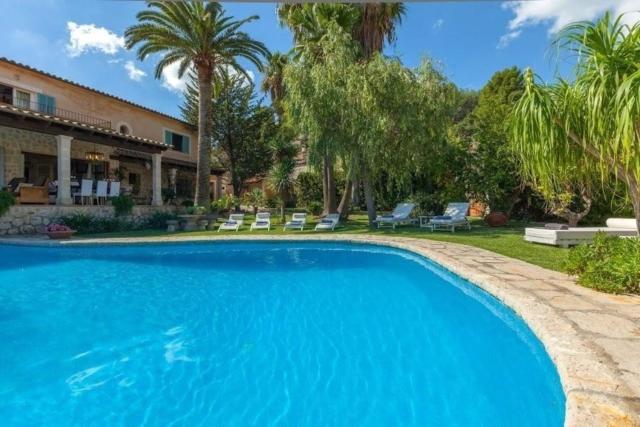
column 593, row 338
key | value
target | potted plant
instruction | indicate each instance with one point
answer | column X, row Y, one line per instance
column 59, row 231
column 496, row 219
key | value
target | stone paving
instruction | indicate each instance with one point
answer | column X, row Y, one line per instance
column 593, row 338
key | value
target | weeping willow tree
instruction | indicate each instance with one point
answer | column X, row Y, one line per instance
column 377, row 114
column 592, row 125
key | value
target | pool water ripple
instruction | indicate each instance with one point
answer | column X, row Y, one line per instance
column 302, row 334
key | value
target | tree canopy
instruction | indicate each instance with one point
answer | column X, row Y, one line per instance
column 242, row 128
column 198, row 35
column 591, row 125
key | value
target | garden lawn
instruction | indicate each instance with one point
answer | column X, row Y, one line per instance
column 506, row 241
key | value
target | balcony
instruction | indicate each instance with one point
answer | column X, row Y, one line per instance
column 58, row 112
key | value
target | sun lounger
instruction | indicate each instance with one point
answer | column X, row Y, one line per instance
column 328, row 223
column 298, row 220
column 262, row 222
column 455, row 216
column 400, row 215
column 233, row 223
column 572, row 236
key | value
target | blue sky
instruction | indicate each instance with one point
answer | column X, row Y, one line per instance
column 81, row 40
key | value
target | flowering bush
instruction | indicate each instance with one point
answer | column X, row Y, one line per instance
column 56, row 228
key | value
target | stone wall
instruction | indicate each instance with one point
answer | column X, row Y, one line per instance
column 15, row 142
column 25, row 219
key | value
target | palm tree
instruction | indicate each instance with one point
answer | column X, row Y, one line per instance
column 592, row 124
column 280, row 177
column 310, row 23
column 197, row 35
column 273, row 83
column 378, row 23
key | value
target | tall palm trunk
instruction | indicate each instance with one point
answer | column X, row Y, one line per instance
column 204, row 136
column 369, row 198
column 328, row 186
column 345, row 202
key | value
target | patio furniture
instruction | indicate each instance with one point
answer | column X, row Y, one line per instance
column 101, row 193
column 32, row 194
column 86, row 191
column 424, row 221
column 297, row 222
column 400, row 215
column 454, row 216
column 564, row 237
column 328, row 223
column 233, row 223
column 262, row 222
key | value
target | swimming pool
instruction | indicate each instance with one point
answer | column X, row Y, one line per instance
column 288, row 333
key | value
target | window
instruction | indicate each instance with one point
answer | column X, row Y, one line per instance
column 6, row 94
column 46, row 104
column 23, row 99
column 179, row 142
column 124, row 129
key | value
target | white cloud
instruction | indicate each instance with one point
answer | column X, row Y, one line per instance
column 437, row 26
column 558, row 13
column 89, row 38
column 508, row 38
column 170, row 79
column 134, row 73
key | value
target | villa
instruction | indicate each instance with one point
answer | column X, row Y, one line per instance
column 54, row 133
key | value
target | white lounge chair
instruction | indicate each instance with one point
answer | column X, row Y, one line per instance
column 454, row 216
column 262, row 222
column 101, row 193
column 298, row 220
column 233, row 223
column 328, row 223
column 86, row 191
column 572, row 236
column 400, row 215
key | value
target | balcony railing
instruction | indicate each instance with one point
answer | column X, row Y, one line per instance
column 59, row 112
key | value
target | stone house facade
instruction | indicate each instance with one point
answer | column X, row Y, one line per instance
column 56, row 130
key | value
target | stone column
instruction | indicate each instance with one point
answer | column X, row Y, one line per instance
column 173, row 172
column 64, row 170
column 156, row 179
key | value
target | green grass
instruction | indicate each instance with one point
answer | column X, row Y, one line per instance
column 503, row 240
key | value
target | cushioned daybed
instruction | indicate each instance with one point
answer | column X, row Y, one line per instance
column 578, row 235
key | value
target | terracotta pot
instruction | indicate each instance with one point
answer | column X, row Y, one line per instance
column 57, row 235
column 496, row 219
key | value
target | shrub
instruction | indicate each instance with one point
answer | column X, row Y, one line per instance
column 271, row 202
column 158, row 221
column 88, row 224
column 186, row 203
column 196, row 210
column 225, row 203
column 6, row 201
column 314, row 208
column 254, row 198
column 610, row 264
column 122, row 204
column 308, row 188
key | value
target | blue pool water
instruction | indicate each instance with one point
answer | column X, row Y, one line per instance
column 300, row 334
